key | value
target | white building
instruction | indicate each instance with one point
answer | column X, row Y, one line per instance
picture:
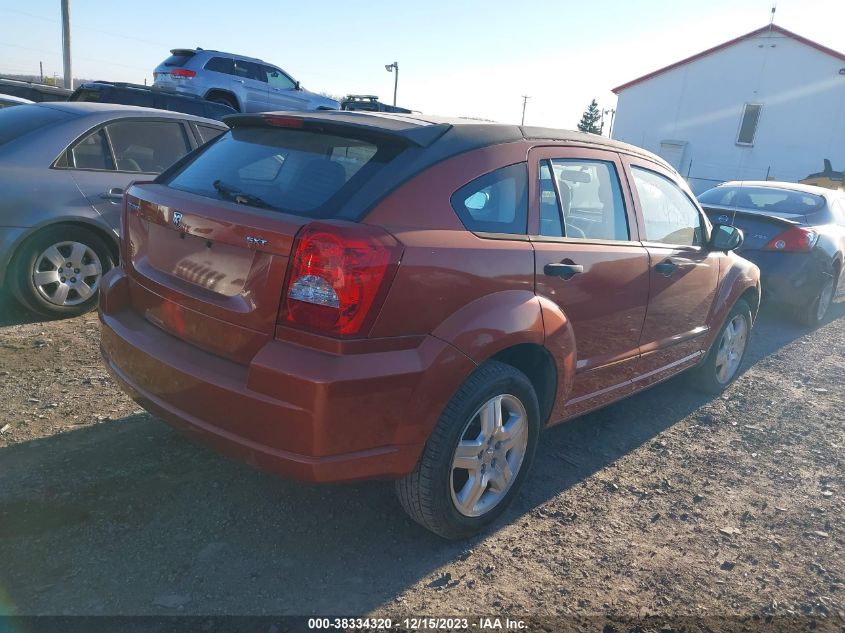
column 767, row 105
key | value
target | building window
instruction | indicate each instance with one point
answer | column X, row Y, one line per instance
column 748, row 124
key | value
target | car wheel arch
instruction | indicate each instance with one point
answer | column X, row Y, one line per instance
column 108, row 237
column 518, row 328
column 226, row 94
column 537, row 363
column 751, row 295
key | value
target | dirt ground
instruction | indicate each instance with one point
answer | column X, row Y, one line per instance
column 669, row 503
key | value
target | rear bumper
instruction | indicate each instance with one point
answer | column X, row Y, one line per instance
column 790, row 278
column 299, row 412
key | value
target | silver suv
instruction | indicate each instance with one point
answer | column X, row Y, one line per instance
column 245, row 83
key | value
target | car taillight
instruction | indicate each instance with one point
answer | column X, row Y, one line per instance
column 796, row 239
column 183, row 72
column 338, row 278
column 283, row 121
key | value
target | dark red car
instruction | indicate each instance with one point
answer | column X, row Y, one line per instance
column 336, row 296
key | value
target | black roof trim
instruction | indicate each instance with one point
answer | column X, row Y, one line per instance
column 412, row 131
column 575, row 137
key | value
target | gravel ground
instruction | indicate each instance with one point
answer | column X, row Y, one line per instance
column 669, row 503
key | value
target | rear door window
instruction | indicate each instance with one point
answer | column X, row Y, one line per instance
column 92, row 152
column 587, row 194
column 249, row 70
column 496, row 202
column 147, row 146
column 290, row 170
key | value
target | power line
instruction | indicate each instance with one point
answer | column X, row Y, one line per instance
column 89, row 28
column 58, row 54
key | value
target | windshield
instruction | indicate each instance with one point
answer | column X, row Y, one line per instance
column 295, row 171
column 764, row 199
column 16, row 122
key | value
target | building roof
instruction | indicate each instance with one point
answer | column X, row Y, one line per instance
column 774, row 28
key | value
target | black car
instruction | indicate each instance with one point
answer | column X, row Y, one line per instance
column 144, row 96
column 794, row 233
column 33, row 91
column 369, row 103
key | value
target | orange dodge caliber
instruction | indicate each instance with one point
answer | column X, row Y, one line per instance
column 337, row 296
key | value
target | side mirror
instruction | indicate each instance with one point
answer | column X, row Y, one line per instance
column 726, row 238
column 297, row 86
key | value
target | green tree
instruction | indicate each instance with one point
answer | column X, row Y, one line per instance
column 590, row 119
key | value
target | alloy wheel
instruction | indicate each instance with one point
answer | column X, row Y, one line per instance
column 731, row 348
column 489, row 455
column 67, row 273
column 825, row 298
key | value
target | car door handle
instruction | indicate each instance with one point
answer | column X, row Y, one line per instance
column 564, row 271
column 115, row 193
column 666, row 268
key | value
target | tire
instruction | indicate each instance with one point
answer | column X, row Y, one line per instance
column 813, row 314
column 431, row 494
column 47, row 254
column 716, row 372
column 229, row 101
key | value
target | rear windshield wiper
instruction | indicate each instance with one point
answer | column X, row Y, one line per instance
column 241, row 197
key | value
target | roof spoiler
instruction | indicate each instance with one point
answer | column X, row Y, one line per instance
column 409, row 131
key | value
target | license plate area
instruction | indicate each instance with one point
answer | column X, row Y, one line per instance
column 215, row 266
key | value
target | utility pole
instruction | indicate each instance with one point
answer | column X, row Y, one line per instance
column 41, row 70
column 390, row 68
column 68, row 70
column 525, row 99
column 611, row 112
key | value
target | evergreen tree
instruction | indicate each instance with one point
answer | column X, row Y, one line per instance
column 590, row 119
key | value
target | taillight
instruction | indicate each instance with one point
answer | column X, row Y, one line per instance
column 338, row 278
column 183, row 72
column 796, row 239
column 283, row 121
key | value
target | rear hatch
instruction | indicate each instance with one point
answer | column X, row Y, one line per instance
column 207, row 244
column 162, row 75
column 758, row 228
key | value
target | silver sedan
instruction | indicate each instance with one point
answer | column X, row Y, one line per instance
column 63, row 169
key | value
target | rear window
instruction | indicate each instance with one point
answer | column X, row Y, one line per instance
column 178, row 59
column 86, row 94
column 764, row 199
column 289, row 170
column 16, row 122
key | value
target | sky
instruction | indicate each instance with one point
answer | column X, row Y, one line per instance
column 472, row 58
